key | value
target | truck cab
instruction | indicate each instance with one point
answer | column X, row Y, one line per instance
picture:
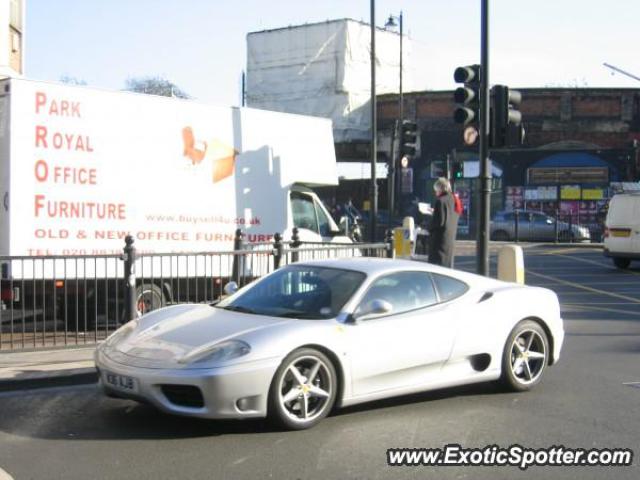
column 311, row 218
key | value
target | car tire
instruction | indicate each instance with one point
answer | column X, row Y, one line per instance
column 621, row 262
column 525, row 356
column 501, row 236
column 566, row 236
column 303, row 390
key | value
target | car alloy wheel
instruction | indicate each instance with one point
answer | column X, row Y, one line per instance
column 526, row 355
column 303, row 390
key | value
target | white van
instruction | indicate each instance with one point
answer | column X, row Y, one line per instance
column 622, row 229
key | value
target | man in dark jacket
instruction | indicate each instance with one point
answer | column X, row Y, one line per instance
column 443, row 225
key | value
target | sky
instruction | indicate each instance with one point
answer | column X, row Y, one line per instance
column 200, row 45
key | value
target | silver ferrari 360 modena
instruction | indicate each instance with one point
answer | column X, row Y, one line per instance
column 317, row 335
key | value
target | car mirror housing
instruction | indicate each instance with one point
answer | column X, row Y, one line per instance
column 374, row 307
column 231, row 288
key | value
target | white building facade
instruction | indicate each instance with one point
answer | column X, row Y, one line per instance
column 324, row 69
column 12, row 26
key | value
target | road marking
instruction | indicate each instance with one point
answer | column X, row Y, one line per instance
column 556, row 252
column 598, row 303
column 584, row 287
column 600, row 264
column 632, row 384
column 634, row 284
column 602, row 309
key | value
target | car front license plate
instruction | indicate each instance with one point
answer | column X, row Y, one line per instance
column 121, row 382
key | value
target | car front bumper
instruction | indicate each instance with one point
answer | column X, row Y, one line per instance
column 630, row 255
column 238, row 391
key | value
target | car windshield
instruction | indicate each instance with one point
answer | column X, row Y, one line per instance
column 298, row 291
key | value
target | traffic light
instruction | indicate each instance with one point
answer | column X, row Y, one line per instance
column 458, row 170
column 505, row 116
column 408, row 138
column 467, row 98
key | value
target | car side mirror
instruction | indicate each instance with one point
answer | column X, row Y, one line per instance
column 343, row 225
column 374, row 307
column 231, row 288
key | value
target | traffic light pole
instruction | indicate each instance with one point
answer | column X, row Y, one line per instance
column 482, row 245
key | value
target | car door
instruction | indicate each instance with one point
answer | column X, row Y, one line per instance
column 524, row 226
column 543, row 226
column 312, row 220
column 405, row 347
column 304, row 217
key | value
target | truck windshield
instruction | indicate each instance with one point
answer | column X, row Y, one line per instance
column 298, row 291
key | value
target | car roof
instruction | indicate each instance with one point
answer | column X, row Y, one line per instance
column 376, row 266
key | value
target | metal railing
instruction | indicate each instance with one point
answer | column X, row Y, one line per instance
column 53, row 301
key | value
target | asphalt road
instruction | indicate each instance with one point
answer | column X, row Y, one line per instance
column 587, row 400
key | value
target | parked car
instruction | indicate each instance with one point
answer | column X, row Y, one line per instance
column 535, row 227
column 333, row 332
column 622, row 229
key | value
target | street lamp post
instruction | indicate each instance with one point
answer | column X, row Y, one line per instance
column 373, row 210
column 391, row 22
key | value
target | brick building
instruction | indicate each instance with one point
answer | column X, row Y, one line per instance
column 579, row 145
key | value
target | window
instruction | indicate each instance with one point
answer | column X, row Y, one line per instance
column 449, row 288
column 304, row 212
column 540, row 218
column 325, row 226
column 298, row 291
column 404, row 291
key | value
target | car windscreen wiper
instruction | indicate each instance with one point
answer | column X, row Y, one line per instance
column 239, row 308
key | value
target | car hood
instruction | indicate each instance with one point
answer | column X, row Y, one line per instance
column 168, row 334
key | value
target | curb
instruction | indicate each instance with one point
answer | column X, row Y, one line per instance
column 78, row 376
column 572, row 245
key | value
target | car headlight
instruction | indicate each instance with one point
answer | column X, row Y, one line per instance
column 218, row 352
column 121, row 333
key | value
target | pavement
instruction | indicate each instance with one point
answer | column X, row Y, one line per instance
column 47, row 368
column 21, row 370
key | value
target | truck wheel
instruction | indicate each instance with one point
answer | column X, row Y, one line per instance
column 149, row 296
column 621, row 262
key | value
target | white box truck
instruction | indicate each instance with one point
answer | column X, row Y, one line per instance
column 81, row 168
